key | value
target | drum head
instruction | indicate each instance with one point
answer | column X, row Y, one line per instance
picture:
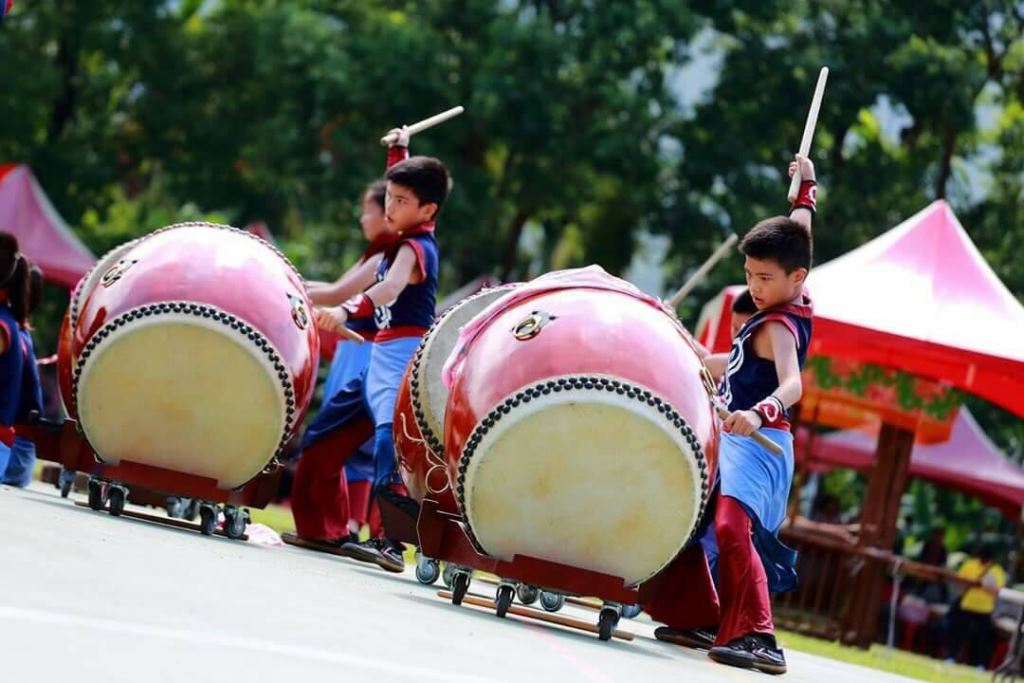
column 212, row 405
column 584, row 475
column 429, row 393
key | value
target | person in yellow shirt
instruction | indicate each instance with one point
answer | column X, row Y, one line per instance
column 971, row 618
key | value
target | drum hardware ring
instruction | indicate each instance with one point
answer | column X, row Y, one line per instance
column 299, row 314
column 530, row 326
column 116, row 271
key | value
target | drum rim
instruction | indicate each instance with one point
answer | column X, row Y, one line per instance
column 580, row 383
column 209, row 315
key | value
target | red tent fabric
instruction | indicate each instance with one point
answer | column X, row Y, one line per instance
column 967, row 462
column 921, row 298
column 42, row 234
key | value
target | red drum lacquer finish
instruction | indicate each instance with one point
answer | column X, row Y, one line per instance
column 195, row 351
column 424, row 472
column 576, row 416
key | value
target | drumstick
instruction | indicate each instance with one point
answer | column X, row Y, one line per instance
column 812, row 121
column 705, row 267
column 421, row 126
column 756, row 436
column 351, row 335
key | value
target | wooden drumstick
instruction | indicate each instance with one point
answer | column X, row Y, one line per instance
column 421, row 126
column 351, row 335
column 756, row 436
column 812, row 121
column 702, row 272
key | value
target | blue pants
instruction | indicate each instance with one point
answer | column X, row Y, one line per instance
column 21, row 462
column 350, row 362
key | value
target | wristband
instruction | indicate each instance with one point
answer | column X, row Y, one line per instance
column 359, row 307
column 806, row 197
column 771, row 411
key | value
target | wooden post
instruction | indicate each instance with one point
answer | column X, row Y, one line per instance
column 879, row 518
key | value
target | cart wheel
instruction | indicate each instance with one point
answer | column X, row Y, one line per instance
column 427, row 570
column 631, row 611
column 207, row 519
column 96, row 501
column 116, row 499
column 606, row 623
column 503, row 599
column 175, row 507
column 191, row 510
column 235, row 520
column 551, row 602
column 527, row 594
column 460, row 585
column 448, row 575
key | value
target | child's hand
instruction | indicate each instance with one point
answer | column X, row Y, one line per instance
column 401, row 136
column 805, row 165
column 742, row 422
column 331, row 319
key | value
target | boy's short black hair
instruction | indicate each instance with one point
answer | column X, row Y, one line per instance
column 427, row 177
column 779, row 239
column 377, row 190
column 744, row 304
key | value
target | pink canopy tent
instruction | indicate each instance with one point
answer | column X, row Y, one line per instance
column 42, row 234
column 921, row 298
column 967, row 462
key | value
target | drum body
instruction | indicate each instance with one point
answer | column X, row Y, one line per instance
column 193, row 350
column 422, row 401
column 579, row 430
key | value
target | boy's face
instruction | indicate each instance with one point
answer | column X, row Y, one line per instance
column 372, row 219
column 769, row 283
column 402, row 209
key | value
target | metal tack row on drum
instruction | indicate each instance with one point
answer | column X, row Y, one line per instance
column 574, row 414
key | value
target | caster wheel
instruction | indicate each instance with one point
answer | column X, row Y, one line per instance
column 191, row 510
column 207, row 520
column 460, row 586
column 607, row 620
column 97, row 499
column 235, row 520
column 175, row 507
column 427, row 570
column 116, row 499
column 448, row 575
column 527, row 594
column 503, row 599
column 65, row 487
column 551, row 602
column 631, row 611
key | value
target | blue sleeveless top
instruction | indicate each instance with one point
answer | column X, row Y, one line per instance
column 414, row 307
column 12, row 365
column 749, row 378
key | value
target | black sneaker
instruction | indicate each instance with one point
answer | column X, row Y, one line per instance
column 755, row 651
column 379, row 551
column 699, row 638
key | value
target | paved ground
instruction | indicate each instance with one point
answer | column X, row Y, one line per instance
column 89, row 597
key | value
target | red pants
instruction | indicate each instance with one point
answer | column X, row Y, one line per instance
column 362, row 509
column 687, row 599
column 320, row 502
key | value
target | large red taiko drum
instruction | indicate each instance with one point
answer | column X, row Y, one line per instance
column 191, row 349
column 579, row 429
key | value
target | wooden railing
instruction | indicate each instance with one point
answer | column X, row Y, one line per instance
column 830, row 566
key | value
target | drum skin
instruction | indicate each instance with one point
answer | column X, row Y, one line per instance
column 194, row 350
column 579, row 430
